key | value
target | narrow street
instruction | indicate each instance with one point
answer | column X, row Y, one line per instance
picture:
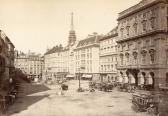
column 44, row 100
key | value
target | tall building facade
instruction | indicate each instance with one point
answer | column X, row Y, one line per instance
column 108, row 56
column 87, row 57
column 59, row 61
column 6, row 56
column 56, row 63
column 143, row 43
column 31, row 64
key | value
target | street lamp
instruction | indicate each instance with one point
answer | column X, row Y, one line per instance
column 80, row 89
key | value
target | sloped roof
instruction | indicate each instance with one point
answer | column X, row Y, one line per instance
column 110, row 34
column 54, row 49
column 89, row 41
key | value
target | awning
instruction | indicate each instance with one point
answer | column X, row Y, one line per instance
column 70, row 76
column 141, row 79
column 120, row 79
column 125, row 79
column 132, row 79
column 149, row 80
column 83, row 75
column 86, row 76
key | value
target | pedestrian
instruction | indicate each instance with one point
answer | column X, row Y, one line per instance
column 60, row 92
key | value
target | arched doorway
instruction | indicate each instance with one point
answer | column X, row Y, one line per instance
column 144, row 74
column 134, row 72
column 153, row 79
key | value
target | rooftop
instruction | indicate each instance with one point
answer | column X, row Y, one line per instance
column 90, row 40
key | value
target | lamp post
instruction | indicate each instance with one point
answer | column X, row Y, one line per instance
column 79, row 78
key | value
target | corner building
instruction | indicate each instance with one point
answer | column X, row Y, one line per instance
column 108, row 56
column 143, row 43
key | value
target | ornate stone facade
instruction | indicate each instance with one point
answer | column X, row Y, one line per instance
column 143, row 42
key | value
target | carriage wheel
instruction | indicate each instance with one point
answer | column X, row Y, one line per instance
column 135, row 107
column 151, row 110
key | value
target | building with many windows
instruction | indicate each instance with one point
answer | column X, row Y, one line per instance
column 143, row 43
column 56, row 62
column 87, row 56
column 31, row 64
column 59, row 61
column 108, row 56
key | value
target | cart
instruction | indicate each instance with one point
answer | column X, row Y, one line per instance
column 64, row 86
column 144, row 102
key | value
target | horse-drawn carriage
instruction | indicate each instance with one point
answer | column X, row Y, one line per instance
column 102, row 86
column 125, row 87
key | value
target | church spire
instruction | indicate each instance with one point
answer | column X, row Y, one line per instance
column 72, row 36
column 72, row 25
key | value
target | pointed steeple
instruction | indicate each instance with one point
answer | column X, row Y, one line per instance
column 72, row 25
column 72, row 36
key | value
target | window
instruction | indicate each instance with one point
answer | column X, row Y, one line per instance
column 122, row 59
column 135, row 54
column 127, row 58
column 90, row 55
column 152, row 56
column 152, row 22
column 135, row 27
column 144, row 25
column 108, row 67
column 122, row 31
column 101, row 67
column 128, row 30
column 104, row 67
column 143, row 56
column 111, row 67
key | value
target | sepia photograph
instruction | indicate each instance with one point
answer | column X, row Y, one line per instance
column 83, row 57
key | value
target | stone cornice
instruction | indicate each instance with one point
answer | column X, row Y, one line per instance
column 109, row 37
column 142, row 35
column 139, row 7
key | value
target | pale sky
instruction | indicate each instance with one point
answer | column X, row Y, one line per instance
column 37, row 24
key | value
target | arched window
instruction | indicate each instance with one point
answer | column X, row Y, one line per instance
column 127, row 58
column 135, row 54
column 152, row 56
column 128, row 30
column 143, row 52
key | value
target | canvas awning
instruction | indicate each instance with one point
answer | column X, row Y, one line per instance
column 132, row 79
column 120, row 79
column 141, row 79
column 70, row 76
column 149, row 80
column 86, row 76
column 125, row 79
